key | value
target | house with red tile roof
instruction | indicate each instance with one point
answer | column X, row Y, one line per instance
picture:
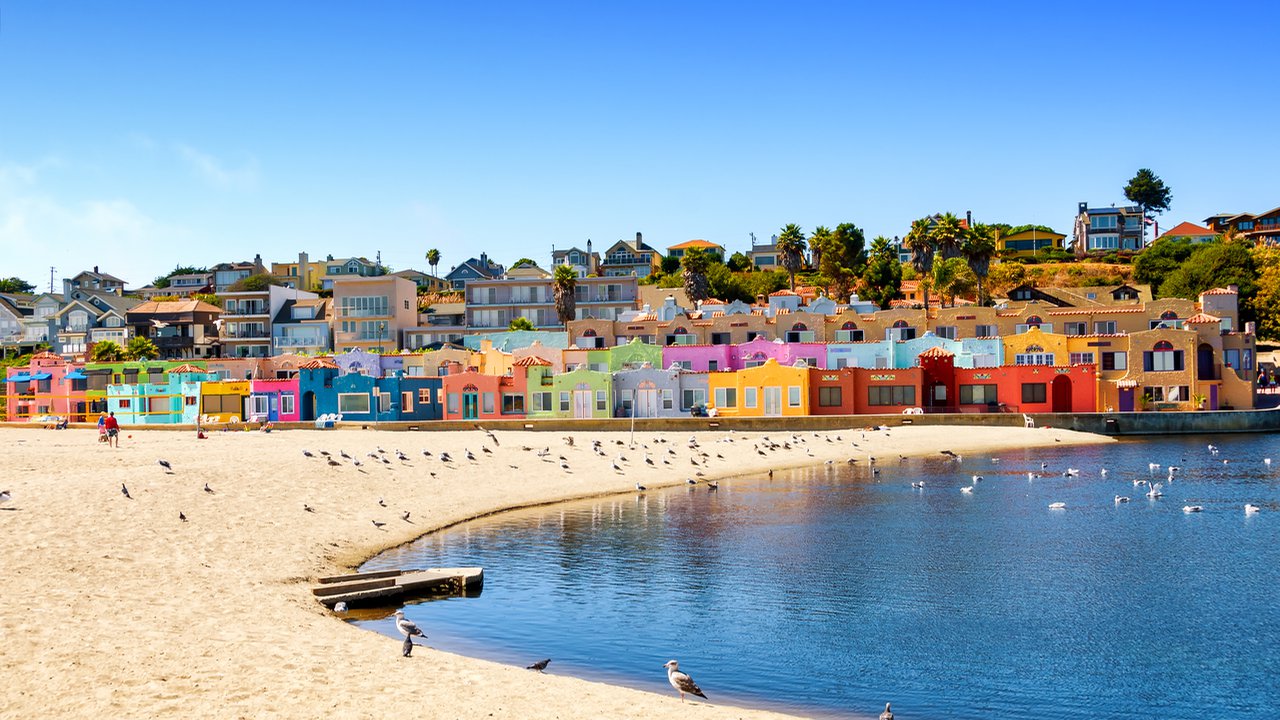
column 1191, row 231
column 678, row 251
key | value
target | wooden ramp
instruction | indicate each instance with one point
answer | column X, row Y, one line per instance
column 364, row 588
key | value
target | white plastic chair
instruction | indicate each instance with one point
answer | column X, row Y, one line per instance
column 1028, row 421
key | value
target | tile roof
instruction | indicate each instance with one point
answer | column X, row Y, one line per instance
column 1202, row 319
column 318, row 363
column 186, row 368
column 936, row 352
column 174, row 306
column 1187, row 229
column 531, row 361
column 695, row 243
column 1220, row 291
column 1096, row 311
column 781, row 292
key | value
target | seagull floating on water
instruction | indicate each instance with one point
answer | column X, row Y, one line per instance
column 967, row 490
column 1191, row 508
column 1250, row 508
column 681, row 681
column 1057, row 506
column 1121, row 499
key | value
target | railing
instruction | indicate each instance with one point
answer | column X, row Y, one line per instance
column 245, row 334
column 299, row 342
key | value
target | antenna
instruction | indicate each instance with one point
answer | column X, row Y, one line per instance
column 51, row 271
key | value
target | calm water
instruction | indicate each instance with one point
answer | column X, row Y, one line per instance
column 827, row 591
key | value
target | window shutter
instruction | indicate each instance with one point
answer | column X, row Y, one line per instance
column 1147, row 362
column 1177, row 359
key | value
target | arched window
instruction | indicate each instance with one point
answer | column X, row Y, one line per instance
column 849, row 326
column 1162, row 358
column 900, row 323
column 799, row 327
column 1034, row 321
column 1168, row 315
column 1162, row 346
column 680, row 330
column 588, row 333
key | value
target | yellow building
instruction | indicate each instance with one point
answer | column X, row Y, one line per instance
column 223, row 400
column 1029, row 243
column 768, row 390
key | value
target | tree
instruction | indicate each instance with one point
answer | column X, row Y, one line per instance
column 1006, row 276
column 977, row 248
column 1265, row 305
column 695, row 265
column 739, row 262
column 669, row 265
column 16, row 285
column 163, row 280
column 1216, row 265
column 920, row 242
column 790, row 247
column 1151, row 194
column 565, row 283
column 882, row 280
column 521, row 323
column 843, row 258
column 947, row 233
column 523, row 261
column 1164, row 256
column 141, row 348
column 254, row 283
column 818, row 243
column 106, row 351
column 214, row 300
column 433, row 259
column 952, row 277
column 763, row 283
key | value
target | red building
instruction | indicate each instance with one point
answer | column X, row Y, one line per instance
column 470, row 395
column 1011, row 388
column 831, row 392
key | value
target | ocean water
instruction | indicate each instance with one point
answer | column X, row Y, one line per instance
column 829, row 591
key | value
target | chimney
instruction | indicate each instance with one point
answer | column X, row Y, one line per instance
column 95, row 269
column 1082, row 208
column 968, row 217
column 639, row 239
column 1234, row 288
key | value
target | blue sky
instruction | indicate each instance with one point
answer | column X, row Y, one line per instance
column 137, row 136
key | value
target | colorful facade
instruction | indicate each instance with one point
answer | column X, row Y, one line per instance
column 767, row 390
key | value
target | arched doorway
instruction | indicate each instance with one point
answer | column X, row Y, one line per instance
column 1061, row 394
column 582, row 400
column 308, row 406
column 646, row 400
column 470, row 402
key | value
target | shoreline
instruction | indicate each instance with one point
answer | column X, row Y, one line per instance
column 159, row 605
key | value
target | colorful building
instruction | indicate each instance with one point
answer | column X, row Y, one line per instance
column 48, row 385
column 767, row 390
column 471, row 395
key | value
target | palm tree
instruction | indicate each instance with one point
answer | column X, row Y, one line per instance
column 790, row 247
column 978, row 247
column 141, row 348
column 818, row 244
column 433, row 259
column 919, row 241
column 695, row 264
column 947, row 233
column 106, row 351
column 564, row 283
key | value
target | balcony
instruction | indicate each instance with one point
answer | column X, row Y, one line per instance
column 300, row 342
column 168, row 342
column 245, row 334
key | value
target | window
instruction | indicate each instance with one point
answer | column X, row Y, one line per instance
column 748, row 397
column 424, row 396
column 848, row 336
column 542, row 402
column 693, row 396
column 355, row 403
column 487, row 403
column 793, row 396
column 830, row 397
column 286, row 403
column 384, row 402
column 1033, row 392
column 602, row 400
column 1033, row 356
column 1162, row 358
column 713, row 365
column 1081, row 358
column 564, row 401
column 1247, row 360
column 891, row 395
column 726, row 397
column 512, row 403
column 1075, row 328
column 1153, row 394
column 668, row 399
column 720, row 338
column 1102, row 222
column 453, row 403
column 125, row 403
column 258, row 405
column 945, row 331
column 977, row 394
column 1104, row 327
column 1104, row 242
column 406, row 400
column 1115, row 361
column 986, row 331
column 193, row 400
column 1231, row 358
column 683, row 364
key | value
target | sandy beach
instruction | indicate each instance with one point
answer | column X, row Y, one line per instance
column 113, row 607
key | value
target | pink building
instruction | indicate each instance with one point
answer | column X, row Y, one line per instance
column 698, row 358
column 756, row 352
column 49, row 385
column 275, row 399
column 470, row 395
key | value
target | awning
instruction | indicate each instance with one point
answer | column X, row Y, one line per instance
column 75, row 375
column 41, row 376
column 21, row 377
column 1126, row 383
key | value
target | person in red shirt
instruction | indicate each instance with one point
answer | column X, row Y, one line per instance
column 113, row 430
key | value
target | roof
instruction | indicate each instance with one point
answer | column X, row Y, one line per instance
column 781, row 293
column 936, row 352
column 186, row 368
column 154, row 307
column 319, row 363
column 696, row 244
column 1187, row 229
column 1220, row 291
column 531, row 361
column 1202, row 319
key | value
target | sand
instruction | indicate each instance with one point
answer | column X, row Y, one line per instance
column 115, row 608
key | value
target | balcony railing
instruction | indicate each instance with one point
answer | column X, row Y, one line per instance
column 292, row 342
column 245, row 334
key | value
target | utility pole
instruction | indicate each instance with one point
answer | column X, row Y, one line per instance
column 51, row 271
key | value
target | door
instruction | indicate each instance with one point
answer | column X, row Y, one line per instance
column 583, row 401
column 1061, row 394
column 773, row 401
column 1126, row 399
column 470, row 405
column 646, row 401
column 308, row 406
column 1213, row 397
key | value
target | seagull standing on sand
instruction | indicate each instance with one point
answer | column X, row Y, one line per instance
column 208, row 489
column 125, row 491
column 5, row 496
column 407, row 648
column 407, row 627
column 540, row 665
column 165, row 464
column 681, row 681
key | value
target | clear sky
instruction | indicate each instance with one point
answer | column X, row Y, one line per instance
column 140, row 135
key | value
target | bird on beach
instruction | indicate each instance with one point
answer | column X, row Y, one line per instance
column 308, row 453
column 616, row 468
column 405, row 516
column 307, row 508
column 681, row 681
column 378, row 525
column 407, row 648
column 333, row 463
column 125, row 491
column 712, row 485
column 540, row 665
column 208, row 489
column 887, row 714
column 182, row 516
column 344, row 454
column 382, row 502
column 407, row 627
column 5, row 496
column 640, row 488
column 340, row 607
column 165, row 464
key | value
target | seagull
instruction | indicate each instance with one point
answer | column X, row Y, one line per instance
column 540, row 665
column 564, row 465
column 1154, row 492
column 182, row 516
column 1152, row 467
column 1121, row 499
column 344, row 454
column 405, row 516
column 691, row 481
column 1266, row 461
column 919, row 485
column 307, row 508
column 407, row 648
column 322, row 452
column 977, row 478
column 165, row 464
column 381, row 502
column 357, row 463
column 426, row 452
column 1103, row 472
column 887, row 714
column 949, row 454
column 1191, row 509
column 160, row 324
column 681, row 681
column 1071, row 472
column 5, row 496
column 485, row 449
column 712, row 485
column 468, row 455
column 308, row 453
column 125, row 491
column 640, row 487
column 968, row 490
column 616, row 468
column 378, row 525
column 1250, row 508
column 1057, row 506
column 340, row 607
column 407, row 627
column 208, row 489
column 333, row 463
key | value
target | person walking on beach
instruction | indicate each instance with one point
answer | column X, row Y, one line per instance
column 112, row 427
column 102, row 427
